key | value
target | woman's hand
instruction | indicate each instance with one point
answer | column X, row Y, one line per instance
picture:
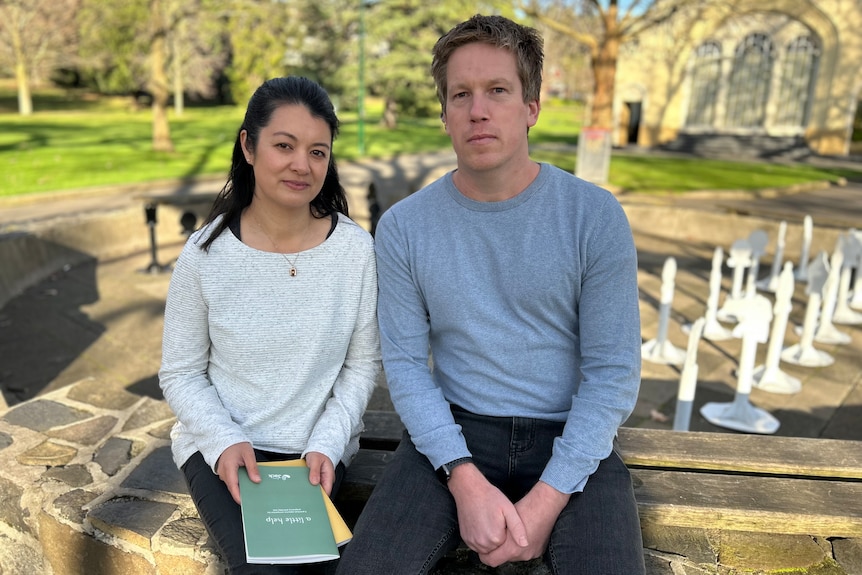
column 321, row 471
column 228, row 464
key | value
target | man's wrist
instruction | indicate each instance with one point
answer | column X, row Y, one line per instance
column 444, row 472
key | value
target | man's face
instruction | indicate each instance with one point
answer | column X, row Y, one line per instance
column 486, row 116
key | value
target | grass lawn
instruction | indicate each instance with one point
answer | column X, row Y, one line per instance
column 75, row 142
column 657, row 174
column 67, row 150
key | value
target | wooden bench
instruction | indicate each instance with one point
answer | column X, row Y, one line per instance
column 725, row 481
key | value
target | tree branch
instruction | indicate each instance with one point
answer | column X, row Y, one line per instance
column 586, row 39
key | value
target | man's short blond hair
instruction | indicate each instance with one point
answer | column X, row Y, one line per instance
column 525, row 43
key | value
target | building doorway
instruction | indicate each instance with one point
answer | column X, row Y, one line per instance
column 634, row 123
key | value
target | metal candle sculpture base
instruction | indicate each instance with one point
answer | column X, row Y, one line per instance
column 754, row 316
column 769, row 376
column 660, row 350
column 804, row 352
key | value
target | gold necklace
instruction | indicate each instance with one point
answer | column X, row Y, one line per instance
column 292, row 264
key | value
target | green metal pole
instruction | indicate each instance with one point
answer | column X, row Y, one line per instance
column 361, row 103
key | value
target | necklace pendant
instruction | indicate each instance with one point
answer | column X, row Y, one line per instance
column 292, row 271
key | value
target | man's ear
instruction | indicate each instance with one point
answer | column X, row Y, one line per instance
column 533, row 109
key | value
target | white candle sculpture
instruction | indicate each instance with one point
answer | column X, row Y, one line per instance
column 826, row 331
column 807, row 233
column 660, row 350
column 739, row 260
column 804, row 353
column 770, row 377
column 844, row 314
column 758, row 239
column 754, row 316
column 856, row 300
column 770, row 282
column 688, row 379
column 712, row 329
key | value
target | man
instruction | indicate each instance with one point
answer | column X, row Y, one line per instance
column 510, row 329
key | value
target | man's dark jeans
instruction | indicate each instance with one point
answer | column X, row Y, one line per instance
column 410, row 521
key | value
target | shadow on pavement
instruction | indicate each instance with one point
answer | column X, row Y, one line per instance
column 43, row 330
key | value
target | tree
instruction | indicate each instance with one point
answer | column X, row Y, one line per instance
column 603, row 27
column 567, row 72
column 152, row 48
column 116, row 39
column 400, row 35
column 329, row 52
column 35, row 37
column 265, row 36
column 114, row 44
column 158, row 85
column 197, row 47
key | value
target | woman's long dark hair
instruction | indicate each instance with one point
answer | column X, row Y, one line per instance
column 237, row 193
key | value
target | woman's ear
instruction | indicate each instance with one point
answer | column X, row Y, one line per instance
column 243, row 139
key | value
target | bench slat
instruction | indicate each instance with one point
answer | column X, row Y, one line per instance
column 383, row 430
column 757, row 454
column 363, row 474
column 696, row 450
column 791, row 506
column 786, row 505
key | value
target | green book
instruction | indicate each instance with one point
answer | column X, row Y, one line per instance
column 284, row 518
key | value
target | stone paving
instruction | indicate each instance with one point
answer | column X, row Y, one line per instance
column 94, row 485
column 86, row 478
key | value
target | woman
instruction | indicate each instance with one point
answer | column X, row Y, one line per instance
column 271, row 348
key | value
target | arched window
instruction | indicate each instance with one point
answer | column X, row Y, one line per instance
column 705, row 80
column 748, row 90
column 797, row 78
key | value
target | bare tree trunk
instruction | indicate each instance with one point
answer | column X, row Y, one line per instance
column 25, row 99
column 595, row 142
column 604, row 64
column 390, row 114
column 22, row 78
column 177, row 39
column 159, row 81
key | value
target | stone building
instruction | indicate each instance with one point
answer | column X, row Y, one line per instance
column 773, row 76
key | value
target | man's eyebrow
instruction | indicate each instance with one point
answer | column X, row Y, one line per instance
column 489, row 82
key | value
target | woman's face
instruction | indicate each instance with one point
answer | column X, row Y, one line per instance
column 291, row 158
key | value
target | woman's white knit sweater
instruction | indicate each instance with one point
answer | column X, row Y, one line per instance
column 253, row 354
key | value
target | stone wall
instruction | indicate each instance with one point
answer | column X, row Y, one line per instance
column 87, row 485
column 33, row 251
